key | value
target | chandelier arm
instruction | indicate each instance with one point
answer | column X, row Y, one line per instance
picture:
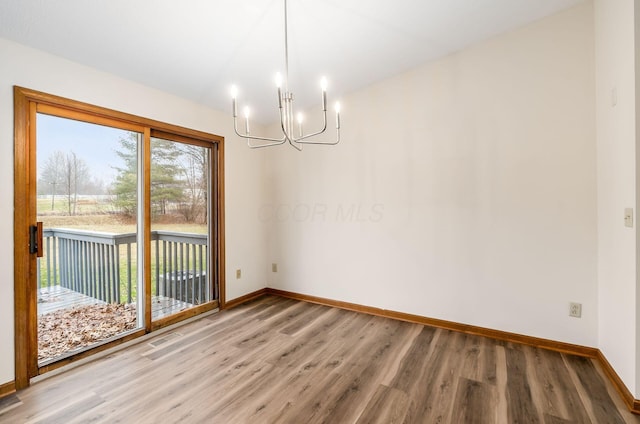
column 259, row 146
column 298, row 148
column 327, row 143
column 303, row 139
column 283, row 127
column 248, row 136
column 324, row 128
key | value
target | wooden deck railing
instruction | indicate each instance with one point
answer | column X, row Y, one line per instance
column 104, row 265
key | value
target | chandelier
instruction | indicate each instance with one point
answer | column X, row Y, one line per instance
column 285, row 104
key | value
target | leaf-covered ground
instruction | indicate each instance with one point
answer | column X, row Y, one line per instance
column 67, row 330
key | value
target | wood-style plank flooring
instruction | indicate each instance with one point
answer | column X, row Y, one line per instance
column 276, row 360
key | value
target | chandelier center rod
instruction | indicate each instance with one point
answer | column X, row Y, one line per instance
column 286, row 50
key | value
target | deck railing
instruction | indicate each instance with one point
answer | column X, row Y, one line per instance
column 104, row 265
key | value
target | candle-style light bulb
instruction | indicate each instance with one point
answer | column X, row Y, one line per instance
column 300, row 118
column 234, row 95
column 323, row 86
column 324, row 83
column 279, row 85
column 247, row 112
column 337, row 108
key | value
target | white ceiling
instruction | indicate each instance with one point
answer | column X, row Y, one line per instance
column 197, row 48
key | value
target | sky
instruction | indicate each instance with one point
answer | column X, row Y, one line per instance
column 95, row 144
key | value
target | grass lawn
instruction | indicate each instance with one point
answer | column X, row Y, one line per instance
column 100, row 216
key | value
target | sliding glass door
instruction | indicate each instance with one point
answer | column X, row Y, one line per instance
column 180, row 226
column 118, row 228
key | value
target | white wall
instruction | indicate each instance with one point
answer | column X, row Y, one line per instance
column 464, row 190
column 245, row 233
column 616, row 141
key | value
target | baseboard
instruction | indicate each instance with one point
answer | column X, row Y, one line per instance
column 632, row 403
column 244, row 299
column 590, row 352
column 7, row 389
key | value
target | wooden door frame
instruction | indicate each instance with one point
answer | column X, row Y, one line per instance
column 26, row 102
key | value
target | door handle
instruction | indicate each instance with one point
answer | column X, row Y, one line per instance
column 35, row 239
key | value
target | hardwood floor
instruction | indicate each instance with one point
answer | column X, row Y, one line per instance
column 277, row 360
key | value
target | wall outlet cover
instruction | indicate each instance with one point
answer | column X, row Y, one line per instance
column 575, row 310
column 628, row 217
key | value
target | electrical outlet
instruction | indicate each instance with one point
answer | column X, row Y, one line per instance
column 238, row 273
column 575, row 310
column 274, row 267
column 628, row 217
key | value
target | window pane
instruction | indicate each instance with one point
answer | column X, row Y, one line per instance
column 180, row 216
column 87, row 201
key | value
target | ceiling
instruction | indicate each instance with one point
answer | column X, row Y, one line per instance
column 197, row 49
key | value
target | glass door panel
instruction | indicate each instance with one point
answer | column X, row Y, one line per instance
column 88, row 280
column 180, row 227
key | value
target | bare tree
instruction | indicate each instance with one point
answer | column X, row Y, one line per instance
column 76, row 173
column 192, row 178
column 52, row 177
column 194, row 170
column 65, row 175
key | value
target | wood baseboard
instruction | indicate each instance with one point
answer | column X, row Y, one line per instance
column 590, row 352
column 244, row 299
column 7, row 389
column 632, row 403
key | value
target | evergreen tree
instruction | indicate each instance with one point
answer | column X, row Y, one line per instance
column 166, row 187
column 125, row 186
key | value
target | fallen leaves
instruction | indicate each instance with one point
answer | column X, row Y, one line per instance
column 67, row 330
